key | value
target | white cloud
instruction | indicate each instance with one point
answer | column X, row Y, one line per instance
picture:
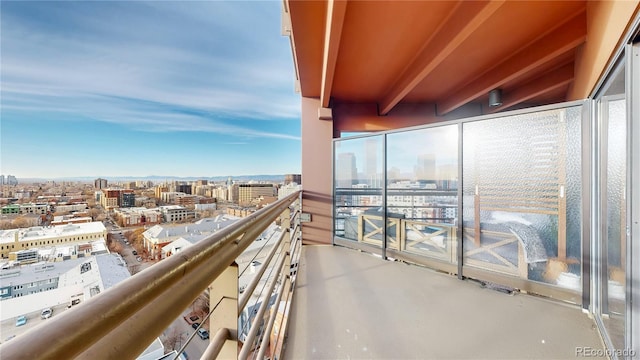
column 128, row 68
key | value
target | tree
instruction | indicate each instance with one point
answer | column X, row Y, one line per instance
column 174, row 339
column 93, row 213
column 115, row 247
column 200, row 305
column 135, row 237
column 20, row 222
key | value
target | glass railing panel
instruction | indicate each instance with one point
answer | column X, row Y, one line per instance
column 522, row 186
column 358, row 189
column 422, row 188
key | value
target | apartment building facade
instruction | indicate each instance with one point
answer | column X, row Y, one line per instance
column 249, row 192
column 22, row 239
column 113, row 198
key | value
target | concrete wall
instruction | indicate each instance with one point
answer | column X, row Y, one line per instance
column 317, row 196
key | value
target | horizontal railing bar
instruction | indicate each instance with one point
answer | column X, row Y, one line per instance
column 246, row 295
column 132, row 334
column 255, row 256
column 521, row 210
column 295, row 230
column 294, row 246
column 295, row 215
column 123, row 303
column 255, row 325
column 216, row 344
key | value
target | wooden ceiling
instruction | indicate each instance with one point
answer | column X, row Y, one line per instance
column 448, row 53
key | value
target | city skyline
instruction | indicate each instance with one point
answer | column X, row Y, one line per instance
column 197, row 89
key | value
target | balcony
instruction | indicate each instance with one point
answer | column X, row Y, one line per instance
column 564, row 285
column 328, row 302
column 350, row 304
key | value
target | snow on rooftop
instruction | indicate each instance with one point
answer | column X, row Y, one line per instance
column 40, row 232
column 112, row 269
column 205, row 226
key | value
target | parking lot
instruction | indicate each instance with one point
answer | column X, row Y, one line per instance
column 9, row 330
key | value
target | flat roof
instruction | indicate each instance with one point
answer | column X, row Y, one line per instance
column 47, row 232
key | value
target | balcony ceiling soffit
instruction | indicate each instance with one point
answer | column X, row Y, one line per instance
column 383, row 52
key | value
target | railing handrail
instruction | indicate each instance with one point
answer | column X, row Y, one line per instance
column 134, row 305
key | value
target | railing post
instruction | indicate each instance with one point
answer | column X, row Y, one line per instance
column 286, row 227
column 223, row 299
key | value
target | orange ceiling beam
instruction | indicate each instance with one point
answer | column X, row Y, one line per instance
column 336, row 10
column 461, row 23
column 564, row 38
column 542, row 85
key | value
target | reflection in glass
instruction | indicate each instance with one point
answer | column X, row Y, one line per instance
column 358, row 189
column 521, row 192
column 422, row 183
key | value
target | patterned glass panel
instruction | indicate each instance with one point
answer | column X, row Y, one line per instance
column 521, row 196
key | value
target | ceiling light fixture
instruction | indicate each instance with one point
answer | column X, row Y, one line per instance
column 495, row 97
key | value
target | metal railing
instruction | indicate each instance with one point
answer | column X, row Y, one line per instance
column 121, row 322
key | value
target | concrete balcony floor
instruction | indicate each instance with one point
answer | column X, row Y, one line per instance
column 353, row 305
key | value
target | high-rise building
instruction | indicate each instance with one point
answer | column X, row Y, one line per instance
column 113, row 198
column 346, row 171
column 248, row 192
column 11, row 180
column 372, row 147
column 426, row 167
column 100, row 183
column 184, row 188
column 129, row 185
column 128, row 200
column 232, row 192
column 159, row 190
column 292, row 178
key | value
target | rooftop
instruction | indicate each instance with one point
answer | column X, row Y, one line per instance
column 44, row 232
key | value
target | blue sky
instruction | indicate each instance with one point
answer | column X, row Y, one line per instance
column 146, row 88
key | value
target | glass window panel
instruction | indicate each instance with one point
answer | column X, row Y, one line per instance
column 521, row 196
column 422, row 185
column 358, row 189
column 614, row 245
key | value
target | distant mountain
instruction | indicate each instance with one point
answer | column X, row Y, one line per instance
column 159, row 178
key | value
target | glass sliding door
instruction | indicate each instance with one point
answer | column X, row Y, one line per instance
column 358, row 197
column 509, row 213
column 422, row 192
column 611, row 249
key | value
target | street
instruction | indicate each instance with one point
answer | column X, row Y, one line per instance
column 181, row 331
